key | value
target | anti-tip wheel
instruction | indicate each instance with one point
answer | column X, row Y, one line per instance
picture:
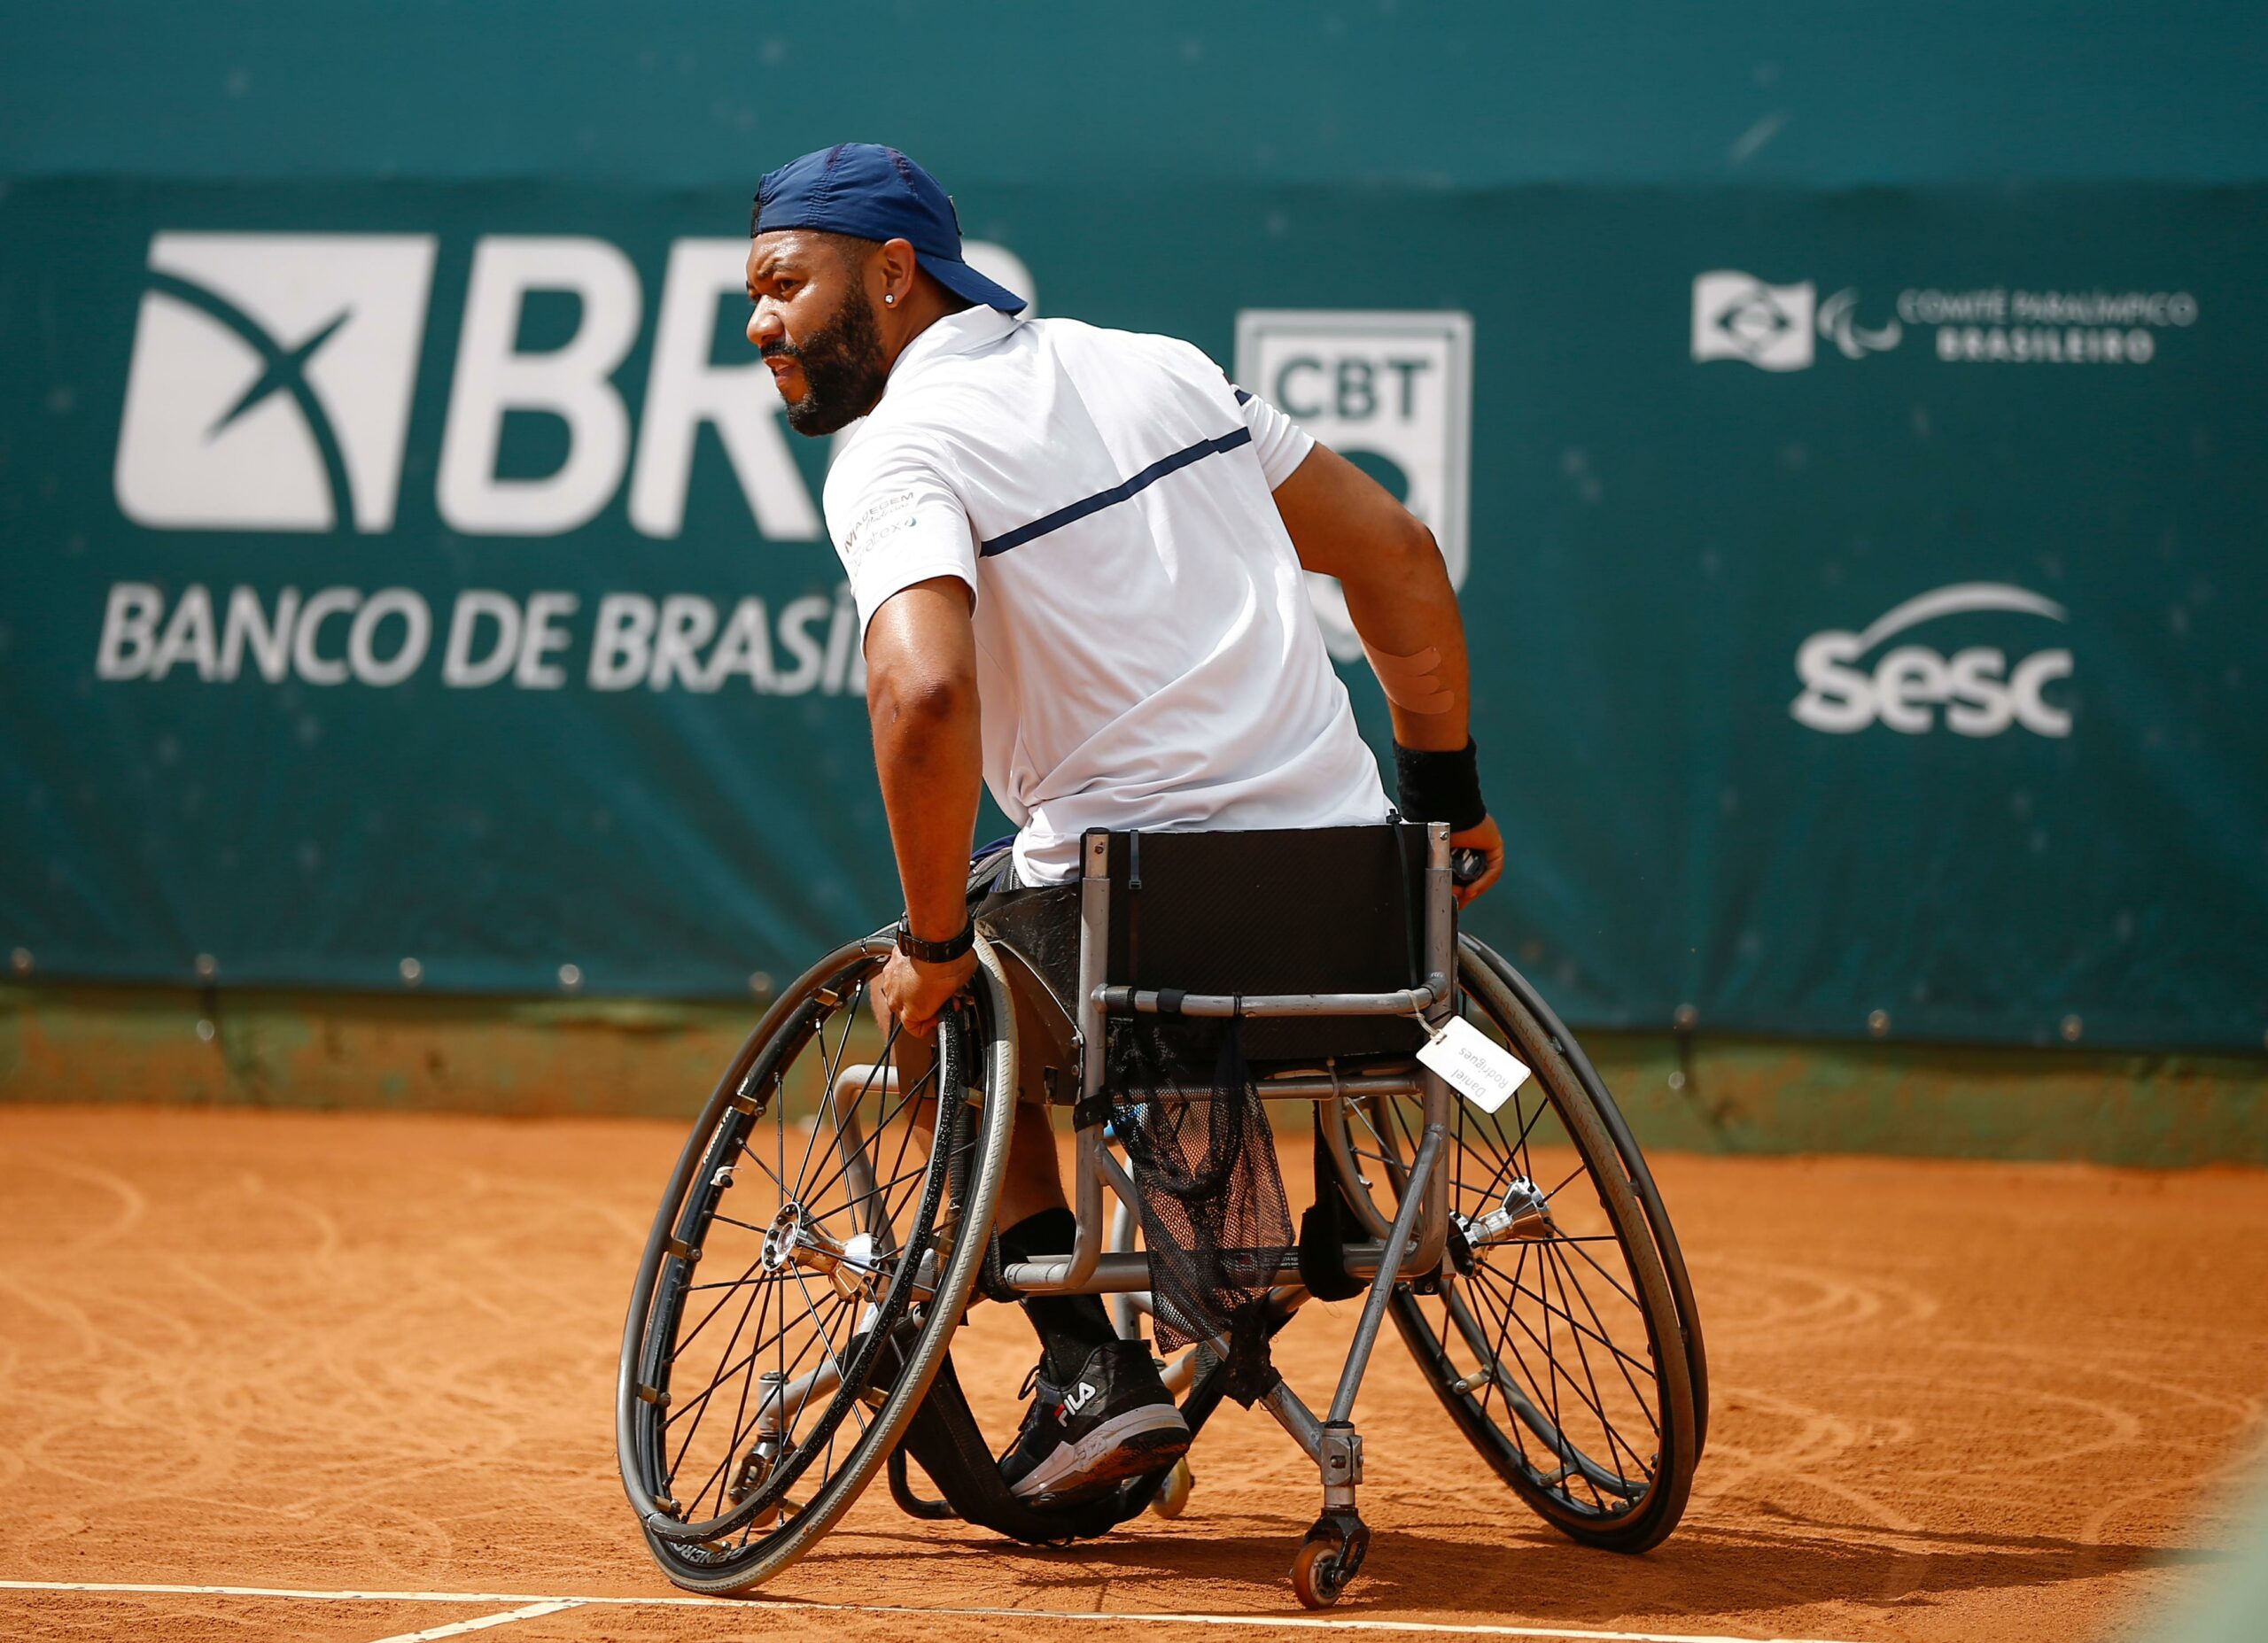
column 1317, row 1575
column 1173, row 1493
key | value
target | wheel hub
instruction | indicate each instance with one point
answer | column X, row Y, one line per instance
column 1524, row 1217
column 796, row 1239
column 788, row 1230
column 853, row 1272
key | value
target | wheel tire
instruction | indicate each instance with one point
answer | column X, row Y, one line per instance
column 767, row 1054
column 1562, row 1042
column 1316, row 1579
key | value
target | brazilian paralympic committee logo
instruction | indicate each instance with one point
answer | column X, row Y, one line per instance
column 1777, row 328
column 271, row 381
column 1978, row 692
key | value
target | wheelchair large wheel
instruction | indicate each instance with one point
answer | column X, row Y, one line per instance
column 1552, row 1334
column 814, row 1251
column 1562, row 1046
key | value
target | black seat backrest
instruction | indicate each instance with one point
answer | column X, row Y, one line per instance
column 1294, row 910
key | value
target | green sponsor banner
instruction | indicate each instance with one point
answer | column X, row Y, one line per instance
column 414, row 583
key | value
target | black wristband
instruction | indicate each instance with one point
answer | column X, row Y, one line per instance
column 935, row 952
column 1441, row 787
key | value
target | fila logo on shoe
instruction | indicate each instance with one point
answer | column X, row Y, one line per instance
column 1078, row 1397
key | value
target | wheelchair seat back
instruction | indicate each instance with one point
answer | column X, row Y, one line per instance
column 1292, row 909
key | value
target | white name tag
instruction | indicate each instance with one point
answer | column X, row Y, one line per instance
column 1477, row 1068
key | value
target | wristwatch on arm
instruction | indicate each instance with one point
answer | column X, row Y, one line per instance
column 935, row 952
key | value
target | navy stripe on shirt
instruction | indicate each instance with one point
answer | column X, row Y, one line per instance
column 1116, row 493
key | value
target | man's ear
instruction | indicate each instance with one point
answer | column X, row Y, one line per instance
column 897, row 262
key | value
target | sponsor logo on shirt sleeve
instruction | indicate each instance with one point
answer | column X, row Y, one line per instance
column 880, row 518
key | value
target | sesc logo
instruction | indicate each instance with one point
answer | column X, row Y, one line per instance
column 1980, row 693
column 1738, row 316
column 271, row 381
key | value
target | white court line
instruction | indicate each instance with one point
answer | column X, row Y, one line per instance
column 550, row 1605
column 753, row 1605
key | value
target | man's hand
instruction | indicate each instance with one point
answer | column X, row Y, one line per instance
column 1490, row 842
column 914, row 995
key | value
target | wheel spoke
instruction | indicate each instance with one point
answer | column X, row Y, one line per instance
column 694, row 1428
column 1597, row 1401
column 1573, row 1323
column 1543, row 1342
column 723, row 1301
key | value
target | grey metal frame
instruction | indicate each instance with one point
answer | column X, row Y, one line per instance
column 1420, row 1228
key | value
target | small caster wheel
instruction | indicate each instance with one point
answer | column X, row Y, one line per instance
column 1329, row 1558
column 1173, row 1494
column 1317, row 1575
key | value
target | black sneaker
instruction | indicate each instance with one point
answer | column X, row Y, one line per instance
column 1116, row 1421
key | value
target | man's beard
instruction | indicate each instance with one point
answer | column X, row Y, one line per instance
column 844, row 371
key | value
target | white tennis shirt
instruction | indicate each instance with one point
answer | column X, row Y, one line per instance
column 1146, row 657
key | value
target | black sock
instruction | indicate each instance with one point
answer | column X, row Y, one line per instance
column 1069, row 1326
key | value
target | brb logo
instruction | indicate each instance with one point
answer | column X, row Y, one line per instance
column 271, row 381
column 1981, row 696
column 273, row 376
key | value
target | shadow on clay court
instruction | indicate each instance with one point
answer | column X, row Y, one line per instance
column 1705, row 1569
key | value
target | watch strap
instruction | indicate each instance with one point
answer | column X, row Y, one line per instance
column 935, row 952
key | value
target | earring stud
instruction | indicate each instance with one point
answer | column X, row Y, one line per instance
column 889, row 297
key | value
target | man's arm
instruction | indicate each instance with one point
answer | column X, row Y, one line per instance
column 1344, row 524
column 929, row 752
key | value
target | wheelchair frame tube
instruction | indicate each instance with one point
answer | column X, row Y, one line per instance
column 1072, row 1276
column 1441, row 962
column 1390, row 1269
column 1226, row 1006
column 1129, row 1275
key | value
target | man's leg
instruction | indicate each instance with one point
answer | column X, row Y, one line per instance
column 1033, row 1218
column 1098, row 1412
column 1035, row 1221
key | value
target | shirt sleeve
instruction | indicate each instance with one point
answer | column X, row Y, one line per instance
column 1281, row 444
column 894, row 522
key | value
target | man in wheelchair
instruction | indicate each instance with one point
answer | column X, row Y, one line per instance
column 1076, row 555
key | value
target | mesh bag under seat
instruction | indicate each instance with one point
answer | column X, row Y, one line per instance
column 1214, row 1216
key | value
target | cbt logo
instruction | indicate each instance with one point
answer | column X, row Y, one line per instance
column 1981, row 696
column 271, row 380
column 273, row 374
column 1738, row 316
column 1393, row 393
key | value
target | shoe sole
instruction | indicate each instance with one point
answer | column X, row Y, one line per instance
column 1139, row 1441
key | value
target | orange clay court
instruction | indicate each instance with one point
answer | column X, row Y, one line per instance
column 373, row 1355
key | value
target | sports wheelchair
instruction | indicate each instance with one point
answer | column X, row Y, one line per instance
column 829, row 1223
